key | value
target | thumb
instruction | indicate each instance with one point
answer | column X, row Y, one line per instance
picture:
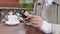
column 28, row 15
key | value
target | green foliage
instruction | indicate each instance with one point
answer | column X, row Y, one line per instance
column 29, row 7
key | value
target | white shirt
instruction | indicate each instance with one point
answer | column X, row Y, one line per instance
column 48, row 2
column 46, row 27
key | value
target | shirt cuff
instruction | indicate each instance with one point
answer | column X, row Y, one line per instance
column 46, row 27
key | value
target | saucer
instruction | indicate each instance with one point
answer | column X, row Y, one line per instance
column 12, row 23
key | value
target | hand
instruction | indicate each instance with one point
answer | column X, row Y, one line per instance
column 35, row 20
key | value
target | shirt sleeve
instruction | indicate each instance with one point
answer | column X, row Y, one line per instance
column 46, row 27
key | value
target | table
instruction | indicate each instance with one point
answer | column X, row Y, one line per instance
column 18, row 29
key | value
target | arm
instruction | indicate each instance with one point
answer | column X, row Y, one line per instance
column 38, row 22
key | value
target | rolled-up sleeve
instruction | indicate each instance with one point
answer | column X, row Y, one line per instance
column 46, row 27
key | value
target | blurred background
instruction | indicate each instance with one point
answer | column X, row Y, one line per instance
column 50, row 13
column 36, row 6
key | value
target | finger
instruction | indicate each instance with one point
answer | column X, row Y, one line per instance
column 28, row 19
column 33, row 19
column 34, row 25
column 36, row 19
column 32, row 16
column 33, row 22
column 26, row 13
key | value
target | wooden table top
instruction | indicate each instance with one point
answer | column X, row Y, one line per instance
column 18, row 29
